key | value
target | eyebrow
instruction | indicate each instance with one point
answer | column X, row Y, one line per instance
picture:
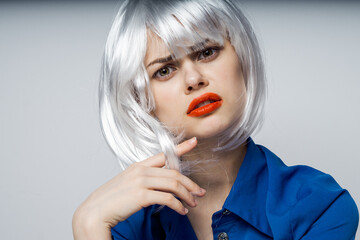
column 161, row 60
column 170, row 57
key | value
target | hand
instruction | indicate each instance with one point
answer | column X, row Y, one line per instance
column 140, row 185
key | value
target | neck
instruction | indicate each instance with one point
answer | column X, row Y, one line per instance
column 214, row 170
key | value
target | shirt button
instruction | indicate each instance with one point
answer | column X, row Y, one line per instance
column 226, row 212
column 223, row 236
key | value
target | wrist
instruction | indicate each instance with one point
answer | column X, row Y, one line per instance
column 89, row 227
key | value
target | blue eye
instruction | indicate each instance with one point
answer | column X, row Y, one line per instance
column 164, row 72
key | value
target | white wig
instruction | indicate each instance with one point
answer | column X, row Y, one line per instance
column 125, row 96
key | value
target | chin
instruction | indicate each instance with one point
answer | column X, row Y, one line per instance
column 207, row 129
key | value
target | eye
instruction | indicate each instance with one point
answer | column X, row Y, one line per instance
column 208, row 53
column 164, row 72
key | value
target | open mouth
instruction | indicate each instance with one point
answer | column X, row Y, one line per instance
column 204, row 104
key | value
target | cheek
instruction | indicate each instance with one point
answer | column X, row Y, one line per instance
column 234, row 87
column 232, row 80
column 167, row 104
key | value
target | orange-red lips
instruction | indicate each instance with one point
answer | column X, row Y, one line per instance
column 214, row 102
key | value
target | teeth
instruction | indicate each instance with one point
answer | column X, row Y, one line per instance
column 204, row 103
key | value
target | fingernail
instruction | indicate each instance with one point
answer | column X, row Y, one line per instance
column 192, row 140
column 186, row 210
column 196, row 202
column 200, row 192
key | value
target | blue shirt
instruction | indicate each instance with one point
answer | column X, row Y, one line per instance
column 268, row 200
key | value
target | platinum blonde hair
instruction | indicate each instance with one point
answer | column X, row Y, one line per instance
column 125, row 97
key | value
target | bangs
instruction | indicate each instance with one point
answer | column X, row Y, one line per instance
column 186, row 27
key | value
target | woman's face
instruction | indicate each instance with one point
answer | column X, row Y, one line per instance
column 201, row 93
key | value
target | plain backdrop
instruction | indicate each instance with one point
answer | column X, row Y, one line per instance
column 52, row 153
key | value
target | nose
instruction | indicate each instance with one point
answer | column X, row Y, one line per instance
column 194, row 80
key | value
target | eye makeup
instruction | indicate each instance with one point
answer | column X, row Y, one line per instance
column 207, row 54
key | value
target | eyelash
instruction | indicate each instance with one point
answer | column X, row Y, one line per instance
column 157, row 73
column 215, row 52
column 214, row 49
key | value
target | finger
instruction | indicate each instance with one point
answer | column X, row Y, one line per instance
column 190, row 185
column 162, row 198
column 159, row 159
column 171, row 186
column 185, row 146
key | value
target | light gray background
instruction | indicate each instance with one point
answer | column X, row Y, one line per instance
column 52, row 153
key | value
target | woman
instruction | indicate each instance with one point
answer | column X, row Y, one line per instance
column 181, row 92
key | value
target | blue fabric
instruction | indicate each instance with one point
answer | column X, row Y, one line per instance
column 268, row 200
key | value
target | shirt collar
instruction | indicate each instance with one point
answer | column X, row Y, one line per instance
column 247, row 197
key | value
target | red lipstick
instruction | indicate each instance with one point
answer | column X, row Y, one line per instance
column 204, row 104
